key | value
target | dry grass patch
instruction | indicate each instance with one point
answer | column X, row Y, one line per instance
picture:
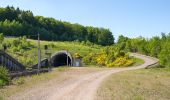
column 144, row 84
column 57, row 76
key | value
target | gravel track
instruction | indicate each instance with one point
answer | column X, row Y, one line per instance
column 82, row 87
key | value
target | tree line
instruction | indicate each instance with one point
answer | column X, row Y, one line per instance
column 156, row 46
column 16, row 22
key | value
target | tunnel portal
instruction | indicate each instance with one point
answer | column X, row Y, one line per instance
column 61, row 58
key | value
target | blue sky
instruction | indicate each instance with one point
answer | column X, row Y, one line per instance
column 131, row 18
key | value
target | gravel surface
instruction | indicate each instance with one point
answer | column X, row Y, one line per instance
column 80, row 87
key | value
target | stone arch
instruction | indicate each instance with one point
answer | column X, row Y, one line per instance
column 60, row 59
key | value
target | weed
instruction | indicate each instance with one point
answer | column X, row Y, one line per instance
column 19, row 81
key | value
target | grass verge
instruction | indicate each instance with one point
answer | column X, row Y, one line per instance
column 144, row 84
column 57, row 76
column 137, row 61
column 23, row 83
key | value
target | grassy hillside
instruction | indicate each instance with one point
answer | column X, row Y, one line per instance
column 26, row 51
column 28, row 54
column 150, row 84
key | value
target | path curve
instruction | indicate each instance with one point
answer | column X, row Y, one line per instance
column 81, row 88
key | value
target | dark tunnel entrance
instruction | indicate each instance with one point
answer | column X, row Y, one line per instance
column 61, row 59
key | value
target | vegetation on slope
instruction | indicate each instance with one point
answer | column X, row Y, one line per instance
column 4, row 77
column 26, row 52
column 109, row 57
column 156, row 46
column 16, row 22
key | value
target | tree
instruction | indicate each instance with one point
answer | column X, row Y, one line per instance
column 1, row 38
column 122, row 39
column 16, row 22
column 155, row 46
column 164, row 55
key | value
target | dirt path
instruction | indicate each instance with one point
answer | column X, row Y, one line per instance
column 82, row 87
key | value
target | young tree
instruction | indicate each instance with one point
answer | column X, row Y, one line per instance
column 1, row 39
column 164, row 55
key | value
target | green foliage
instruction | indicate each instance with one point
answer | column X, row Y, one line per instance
column 52, row 45
column 19, row 81
column 137, row 61
column 156, row 46
column 1, row 98
column 20, row 44
column 90, row 59
column 77, row 55
column 1, row 40
column 4, row 77
column 28, row 54
column 101, row 59
column 164, row 56
column 121, row 61
column 62, row 69
column 16, row 22
column 108, row 57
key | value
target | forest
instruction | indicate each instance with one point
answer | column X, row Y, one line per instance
column 16, row 22
column 156, row 46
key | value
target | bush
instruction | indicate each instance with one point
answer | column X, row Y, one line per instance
column 164, row 56
column 90, row 59
column 101, row 59
column 2, row 83
column 20, row 81
column 77, row 55
column 108, row 57
column 4, row 76
column 121, row 54
column 120, row 61
column 52, row 45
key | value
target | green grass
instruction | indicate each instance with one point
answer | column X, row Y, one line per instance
column 137, row 61
column 63, row 68
column 29, row 57
column 1, row 98
column 144, row 84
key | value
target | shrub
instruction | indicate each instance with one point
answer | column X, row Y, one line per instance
column 101, row 59
column 77, row 55
column 120, row 61
column 14, row 49
column 108, row 57
column 164, row 56
column 1, row 38
column 4, row 76
column 128, row 63
column 20, row 81
column 90, row 59
column 121, row 54
column 2, row 83
column 52, row 45
column 20, row 44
